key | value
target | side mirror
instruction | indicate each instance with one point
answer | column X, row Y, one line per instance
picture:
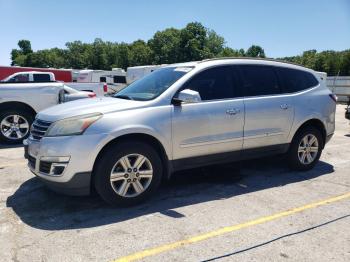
column 61, row 97
column 187, row 96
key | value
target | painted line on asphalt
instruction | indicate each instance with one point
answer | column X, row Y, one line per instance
column 228, row 229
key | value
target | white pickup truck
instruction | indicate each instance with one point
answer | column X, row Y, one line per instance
column 100, row 89
column 20, row 102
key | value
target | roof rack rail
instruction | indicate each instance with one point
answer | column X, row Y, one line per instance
column 250, row 58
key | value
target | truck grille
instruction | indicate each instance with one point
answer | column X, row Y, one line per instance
column 39, row 128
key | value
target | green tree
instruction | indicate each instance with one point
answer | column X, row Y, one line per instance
column 255, row 51
column 78, row 55
column 192, row 42
column 139, row 53
column 165, row 46
column 19, row 56
column 214, row 43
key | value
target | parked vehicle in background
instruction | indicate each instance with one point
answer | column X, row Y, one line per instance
column 71, row 94
column 115, row 79
column 100, row 89
column 30, row 76
column 340, row 85
column 19, row 103
column 63, row 75
column 134, row 73
column 178, row 117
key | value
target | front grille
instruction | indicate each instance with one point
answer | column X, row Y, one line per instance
column 45, row 167
column 31, row 161
column 39, row 128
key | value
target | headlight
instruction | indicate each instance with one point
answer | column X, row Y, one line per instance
column 72, row 126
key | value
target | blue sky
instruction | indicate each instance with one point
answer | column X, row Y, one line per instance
column 281, row 27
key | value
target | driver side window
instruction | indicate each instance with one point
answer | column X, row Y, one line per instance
column 20, row 78
column 213, row 83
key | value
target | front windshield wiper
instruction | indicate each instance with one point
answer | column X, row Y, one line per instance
column 124, row 97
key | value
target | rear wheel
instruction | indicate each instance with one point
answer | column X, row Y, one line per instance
column 306, row 149
column 127, row 173
column 15, row 126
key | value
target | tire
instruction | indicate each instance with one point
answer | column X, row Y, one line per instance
column 24, row 118
column 296, row 156
column 111, row 160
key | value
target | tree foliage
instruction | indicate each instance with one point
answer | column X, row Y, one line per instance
column 191, row 43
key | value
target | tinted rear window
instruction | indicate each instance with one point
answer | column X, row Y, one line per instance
column 41, row 78
column 294, row 80
column 259, row 80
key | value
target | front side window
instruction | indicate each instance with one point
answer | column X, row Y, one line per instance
column 154, row 84
column 296, row 80
column 21, row 78
column 212, row 84
column 41, row 78
column 259, row 80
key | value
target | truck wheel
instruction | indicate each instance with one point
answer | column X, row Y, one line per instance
column 15, row 126
column 306, row 149
column 127, row 173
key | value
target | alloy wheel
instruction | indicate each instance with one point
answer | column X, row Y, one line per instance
column 308, row 149
column 131, row 175
column 14, row 127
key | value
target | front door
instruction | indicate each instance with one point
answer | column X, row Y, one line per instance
column 214, row 125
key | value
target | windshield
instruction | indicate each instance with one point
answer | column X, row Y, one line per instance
column 154, row 84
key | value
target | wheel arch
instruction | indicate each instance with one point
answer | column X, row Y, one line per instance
column 141, row 137
column 17, row 105
column 317, row 123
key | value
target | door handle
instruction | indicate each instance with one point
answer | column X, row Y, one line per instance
column 233, row 111
column 284, row 106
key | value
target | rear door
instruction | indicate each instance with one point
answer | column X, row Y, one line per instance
column 268, row 113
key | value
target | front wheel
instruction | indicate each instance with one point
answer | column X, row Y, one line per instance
column 306, row 149
column 127, row 173
column 15, row 126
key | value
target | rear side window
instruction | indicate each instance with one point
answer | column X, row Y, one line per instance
column 259, row 80
column 103, row 79
column 214, row 83
column 41, row 78
column 294, row 80
column 119, row 79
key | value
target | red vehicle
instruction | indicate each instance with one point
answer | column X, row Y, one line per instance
column 64, row 75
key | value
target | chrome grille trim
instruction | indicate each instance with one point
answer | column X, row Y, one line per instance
column 39, row 128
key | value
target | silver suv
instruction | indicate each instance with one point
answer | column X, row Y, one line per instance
column 178, row 117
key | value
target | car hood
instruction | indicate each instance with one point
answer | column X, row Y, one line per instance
column 88, row 106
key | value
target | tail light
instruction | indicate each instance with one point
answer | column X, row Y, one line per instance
column 92, row 95
column 105, row 88
column 333, row 97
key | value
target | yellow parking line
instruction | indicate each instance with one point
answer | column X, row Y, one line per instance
column 225, row 230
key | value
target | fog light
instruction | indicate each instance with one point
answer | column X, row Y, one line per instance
column 52, row 165
column 57, row 169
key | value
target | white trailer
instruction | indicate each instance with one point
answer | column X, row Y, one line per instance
column 134, row 73
column 115, row 79
column 340, row 85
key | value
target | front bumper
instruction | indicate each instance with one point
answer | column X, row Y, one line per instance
column 64, row 164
